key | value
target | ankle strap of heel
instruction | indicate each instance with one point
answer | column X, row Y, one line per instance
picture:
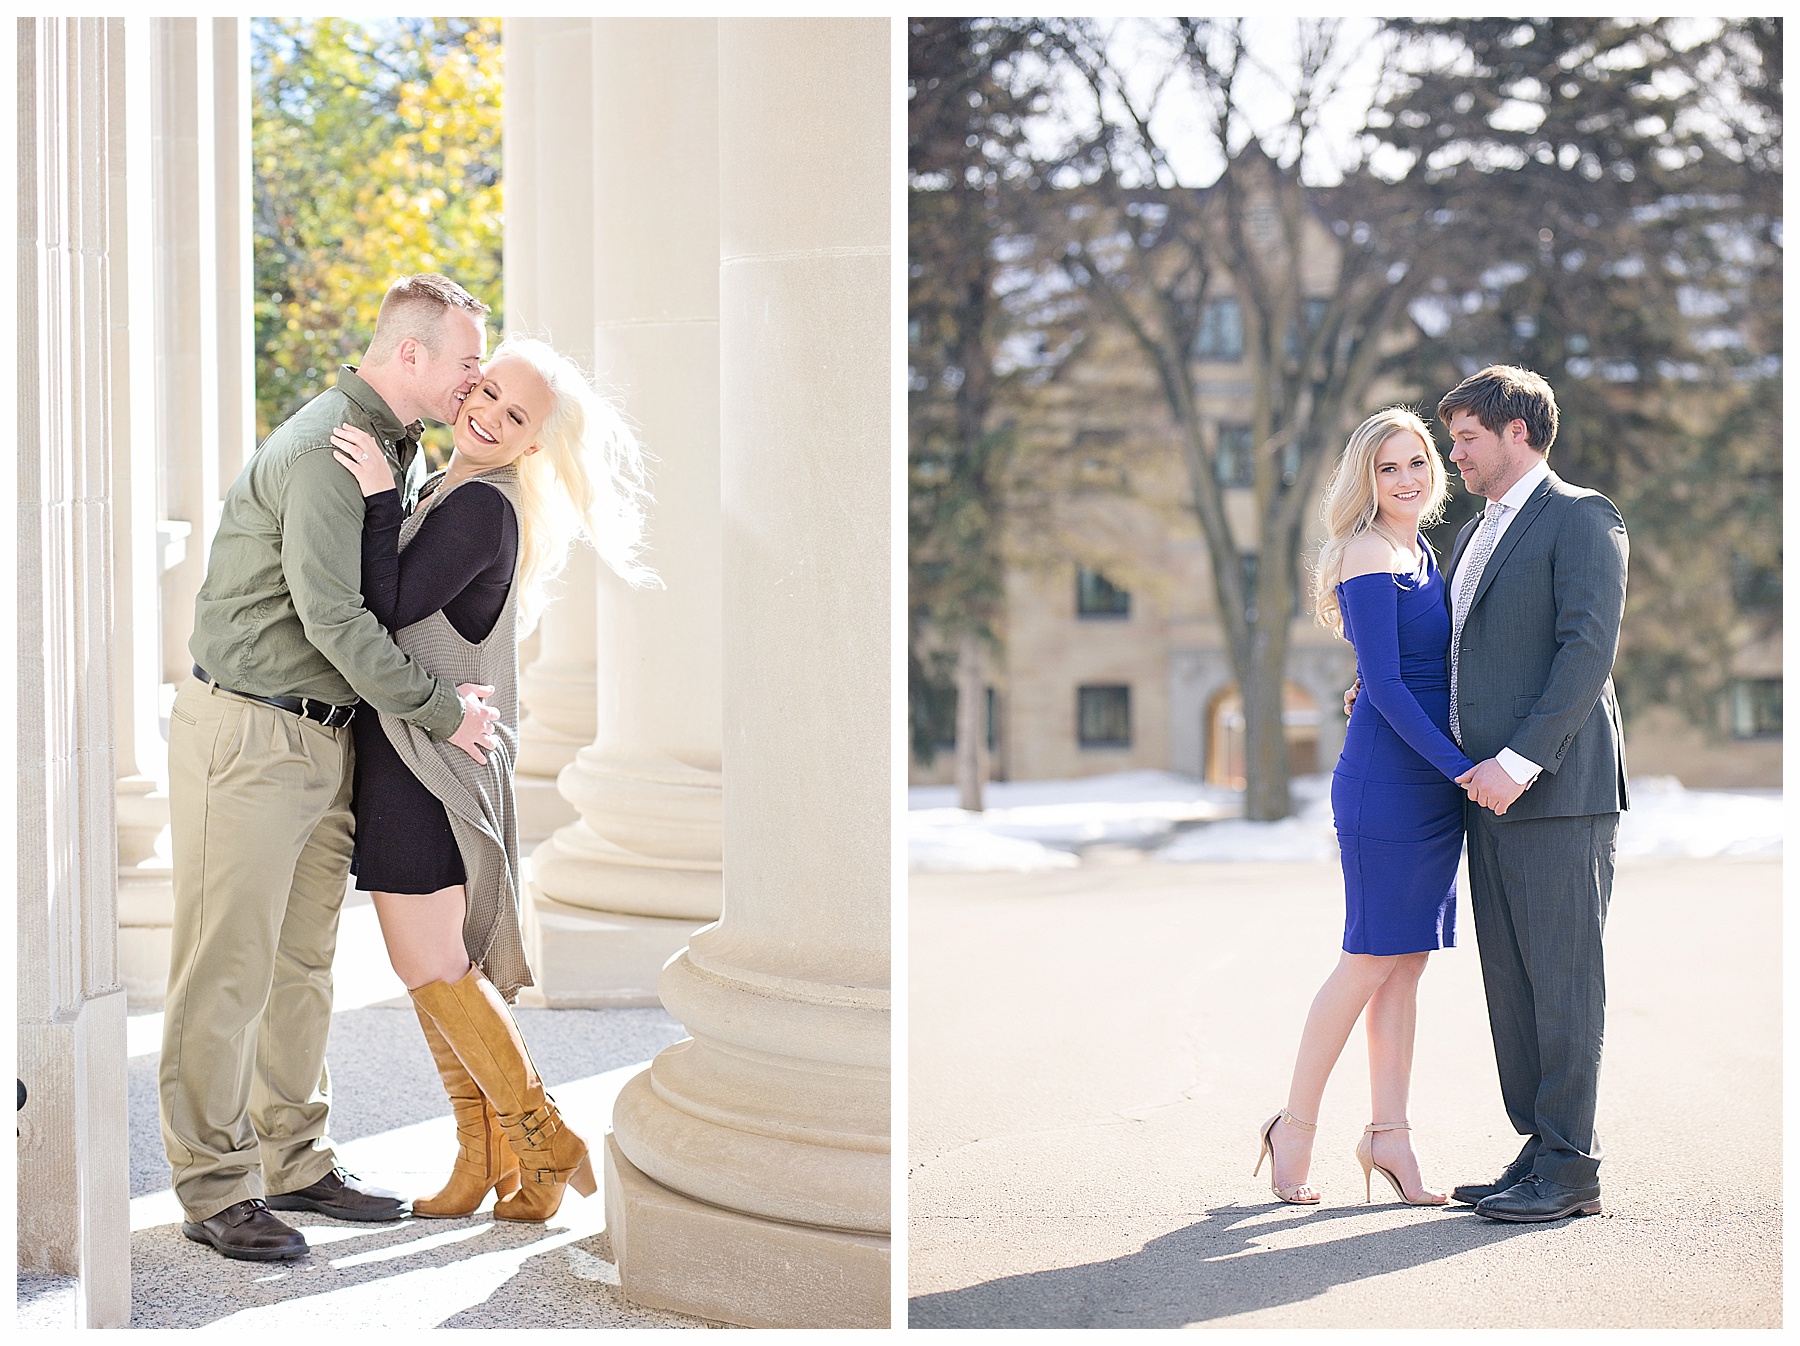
column 1294, row 1121
column 1373, row 1127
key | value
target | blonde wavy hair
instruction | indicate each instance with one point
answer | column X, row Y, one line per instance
column 586, row 480
column 1350, row 507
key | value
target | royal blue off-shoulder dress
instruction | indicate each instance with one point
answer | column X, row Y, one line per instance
column 1394, row 796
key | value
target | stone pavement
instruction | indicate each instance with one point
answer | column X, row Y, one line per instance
column 392, row 1126
column 1092, row 1051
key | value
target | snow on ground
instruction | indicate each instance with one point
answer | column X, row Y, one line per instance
column 1037, row 825
column 1667, row 821
column 1032, row 825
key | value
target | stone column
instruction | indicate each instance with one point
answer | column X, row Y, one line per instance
column 184, row 344
column 232, row 265
column 617, row 892
column 747, row 1178
column 186, row 352
column 73, row 1193
column 556, row 697
column 145, row 899
column 546, row 134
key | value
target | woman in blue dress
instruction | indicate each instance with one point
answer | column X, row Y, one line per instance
column 1395, row 796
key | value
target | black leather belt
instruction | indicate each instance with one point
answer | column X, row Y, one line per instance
column 332, row 717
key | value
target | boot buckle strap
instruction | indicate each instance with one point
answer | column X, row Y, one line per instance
column 535, row 1124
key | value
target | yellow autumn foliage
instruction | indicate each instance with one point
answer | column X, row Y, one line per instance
column 377, row 154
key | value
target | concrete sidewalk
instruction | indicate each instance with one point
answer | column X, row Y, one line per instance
column 1092, row 1051
column 391, row 1124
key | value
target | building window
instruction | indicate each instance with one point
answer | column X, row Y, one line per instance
column 1103, row 716
column 934, row 712
column 1237, row 461
column 1290, row 462
column 1098, row 597
column 1312, row 316
column 1252, row 564
column 1221, row 335
column 1755, row 707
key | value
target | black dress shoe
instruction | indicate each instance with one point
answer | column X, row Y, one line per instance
column 343, row 1196
column 248, row 1232
column 1537, row 1200
column 1471, row 1193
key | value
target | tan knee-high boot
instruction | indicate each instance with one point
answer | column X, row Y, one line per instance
column 479, row 1027
column 484, row 1161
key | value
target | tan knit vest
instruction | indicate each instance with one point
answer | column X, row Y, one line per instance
column 478, row 799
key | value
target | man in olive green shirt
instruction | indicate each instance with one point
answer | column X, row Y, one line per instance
column 260, row 762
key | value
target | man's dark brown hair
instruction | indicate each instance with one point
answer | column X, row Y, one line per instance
column 414, row 306
column 1501, row 394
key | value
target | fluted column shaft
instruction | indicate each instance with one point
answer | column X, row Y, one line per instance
column 547, row 146
column 647, row 787
column 73, row 1206
column 186, row 352
column 616, row 891
column 184, row 368
column 766, row 1134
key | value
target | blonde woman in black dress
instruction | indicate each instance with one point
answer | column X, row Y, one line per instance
column 539, row 458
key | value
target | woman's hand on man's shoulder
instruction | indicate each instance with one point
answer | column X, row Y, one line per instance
column 360, row 454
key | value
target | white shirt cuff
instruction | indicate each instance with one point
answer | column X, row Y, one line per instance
column 1522, row 771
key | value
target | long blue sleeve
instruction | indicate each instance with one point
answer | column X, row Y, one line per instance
column 1371, row 608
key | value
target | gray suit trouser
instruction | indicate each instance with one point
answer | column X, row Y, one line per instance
column 1540, row 888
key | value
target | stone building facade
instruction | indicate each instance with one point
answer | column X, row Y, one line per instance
column 1113, row 657
column 700, row 209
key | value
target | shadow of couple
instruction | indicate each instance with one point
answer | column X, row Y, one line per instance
column 1217, row 1267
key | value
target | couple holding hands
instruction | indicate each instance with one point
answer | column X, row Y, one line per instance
column 354, row 710
column 1483, row 710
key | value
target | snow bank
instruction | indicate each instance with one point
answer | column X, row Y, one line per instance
column 1035, row 825
column 1042, row 824
column 1667, row 821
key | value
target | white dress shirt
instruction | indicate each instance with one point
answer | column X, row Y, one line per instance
column 1521, row 769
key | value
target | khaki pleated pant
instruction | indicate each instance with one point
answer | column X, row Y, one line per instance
column 259, row 812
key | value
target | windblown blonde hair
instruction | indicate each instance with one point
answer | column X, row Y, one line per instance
column 587, row 479
column 1350, row 503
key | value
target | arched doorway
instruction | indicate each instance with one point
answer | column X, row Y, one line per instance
column 1225, row 738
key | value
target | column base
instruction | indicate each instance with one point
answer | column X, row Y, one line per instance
column 74, row 1192
column 677, row 1253
column 586, row 959
column 144, row 964
column 541, row 810
column 146, row 920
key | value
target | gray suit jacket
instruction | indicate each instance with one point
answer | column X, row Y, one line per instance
column 1534, row 672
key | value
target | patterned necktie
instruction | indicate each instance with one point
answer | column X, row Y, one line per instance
column 1480, row 549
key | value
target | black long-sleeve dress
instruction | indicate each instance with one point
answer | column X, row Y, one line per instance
column 461, row 560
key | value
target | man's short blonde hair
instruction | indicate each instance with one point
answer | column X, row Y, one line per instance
column 414, row 306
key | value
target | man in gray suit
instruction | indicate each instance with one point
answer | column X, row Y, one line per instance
column 1536, row 593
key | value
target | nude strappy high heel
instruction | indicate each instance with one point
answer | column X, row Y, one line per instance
column 1365, row 1155
column 1291, row 1195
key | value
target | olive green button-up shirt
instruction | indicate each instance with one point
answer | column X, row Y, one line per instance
column 281, row 610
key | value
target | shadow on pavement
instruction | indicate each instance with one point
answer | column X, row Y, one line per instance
column 1213, row 1269
column 414, row 1273
column 382, row 1077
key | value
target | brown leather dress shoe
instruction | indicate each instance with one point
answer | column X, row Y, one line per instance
column 248, row 1232
column 344, row 1196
